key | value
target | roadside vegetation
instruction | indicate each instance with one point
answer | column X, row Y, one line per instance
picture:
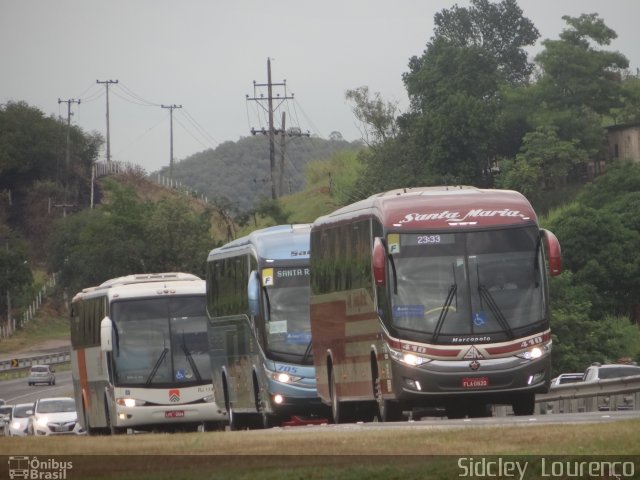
column 290, row 454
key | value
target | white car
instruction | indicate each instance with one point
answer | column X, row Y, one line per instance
column 18, row 420
column 54, row 416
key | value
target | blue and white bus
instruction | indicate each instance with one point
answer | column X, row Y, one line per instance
column 140, row 357
column 259, row 332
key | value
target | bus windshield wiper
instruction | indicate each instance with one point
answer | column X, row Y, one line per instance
column 495, row 309
column 307, row 352
column 157, row 365
column 189, row 357
column 395, row 275
column 268, row 300
column 444, row 310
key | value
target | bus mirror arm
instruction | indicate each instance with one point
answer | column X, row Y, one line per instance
column 553, row 251
column 253, row 292
column 106, row 335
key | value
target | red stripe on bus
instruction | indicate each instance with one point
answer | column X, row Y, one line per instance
column 82, row 372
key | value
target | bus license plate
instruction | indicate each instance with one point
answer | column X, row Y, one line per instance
column 174, row 414
column 475, row 382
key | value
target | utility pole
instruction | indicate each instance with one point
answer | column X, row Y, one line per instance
column 282, row 149
column 271, row 131
column 171, row 107
column 106, row 84
column 8, row 331
column 68, row 102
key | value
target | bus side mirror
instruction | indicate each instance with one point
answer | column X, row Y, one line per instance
column 379, row 262
column 254, row 293
column 552, row 246
column 106, row 335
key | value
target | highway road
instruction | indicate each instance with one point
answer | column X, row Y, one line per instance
column 18, row 391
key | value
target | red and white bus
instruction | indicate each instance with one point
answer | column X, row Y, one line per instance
column 431, row 297
column 140, row 355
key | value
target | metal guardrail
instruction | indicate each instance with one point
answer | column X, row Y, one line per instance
column 23, row 363
column 602, row 395
column 611, row 394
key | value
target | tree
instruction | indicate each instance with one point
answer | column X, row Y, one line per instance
column 629, row 112
column 497, row 28
column 575, row 73
column 182, row 237
column 581, row 338
column 601, row 240
column 455, row 90
column 114, row 240
column 377, row 117
column 15, row 274
column 543, row 163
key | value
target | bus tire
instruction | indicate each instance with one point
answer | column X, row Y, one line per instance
column 235, row 420
column 388, row 411
column 343, row 412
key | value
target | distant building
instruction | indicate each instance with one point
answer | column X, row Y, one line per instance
column 624, row 142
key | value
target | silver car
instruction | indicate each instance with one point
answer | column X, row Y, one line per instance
column 42, row 374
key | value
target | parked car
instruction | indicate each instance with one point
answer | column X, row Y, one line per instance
column 596, row 371
column 19, row 420
column 42, row 374
column 54, row 416
column 565, row 378
column 5, row 416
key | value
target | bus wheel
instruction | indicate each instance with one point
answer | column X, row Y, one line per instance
column 235, row 420
column 524, row 404
column 266, row 420
column 342, row 412
column 387, row 411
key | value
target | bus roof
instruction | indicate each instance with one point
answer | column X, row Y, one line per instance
column 282, row 242
column 441, row 207
column 142, row 284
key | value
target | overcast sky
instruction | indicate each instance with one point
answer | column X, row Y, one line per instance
column 205, row 55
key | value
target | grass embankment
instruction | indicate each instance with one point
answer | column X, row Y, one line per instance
column 408, row 452
column 47, row 325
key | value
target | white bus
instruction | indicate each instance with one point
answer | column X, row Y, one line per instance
column 140, row 355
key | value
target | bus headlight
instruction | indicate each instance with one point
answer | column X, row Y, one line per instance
column 408, row 358
column 130, row 402
column 285, row 377
column 535, row 352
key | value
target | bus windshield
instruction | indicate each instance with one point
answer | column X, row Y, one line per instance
column 288, row 328
column 487, row 284
column 161, row 341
